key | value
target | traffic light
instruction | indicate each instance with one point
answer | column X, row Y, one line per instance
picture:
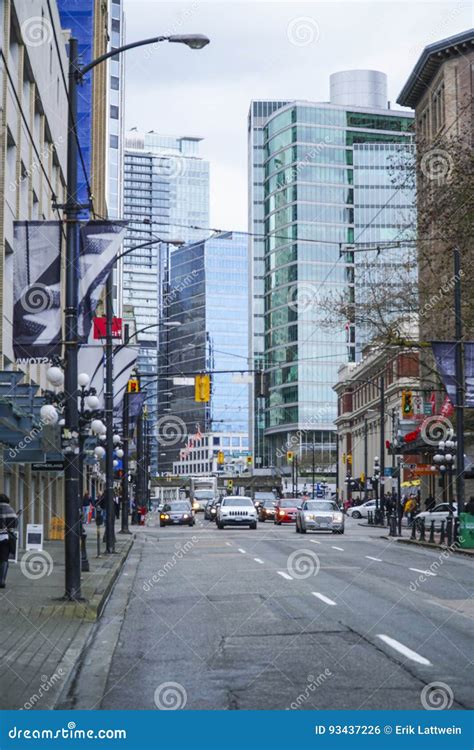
column 249, row 460
column 230, row 484
column 343, row 458
column 407, row 404
column 289, row 456
column 220, row 457
column 349, row 458
column 133, row 385
column 202, row 388
column 362, row 478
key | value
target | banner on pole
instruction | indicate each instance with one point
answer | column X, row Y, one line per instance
column 36, row 290
column 100, row 242
column 445, row 357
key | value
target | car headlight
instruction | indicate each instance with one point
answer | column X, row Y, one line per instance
column 164, row 515
column 213, row 510
column 185, row 515
column 337, row 517
column 281, row 513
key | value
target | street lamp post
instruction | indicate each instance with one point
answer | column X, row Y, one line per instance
column 376, row 479
column 71, row 209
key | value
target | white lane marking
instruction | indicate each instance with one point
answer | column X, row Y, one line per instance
column 424, row 572
column 242, row 550
column 314, row 541
column 257, row 559
column 339, row 548
column 404, row 650
column 229, row 544
column 376, row 559
column 323, row 598
column 284, row 575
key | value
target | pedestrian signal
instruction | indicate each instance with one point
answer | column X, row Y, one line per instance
column 133, row 385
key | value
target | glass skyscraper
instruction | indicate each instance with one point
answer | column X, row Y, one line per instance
column 206, row 294
column 166, row 191
column 306, row 214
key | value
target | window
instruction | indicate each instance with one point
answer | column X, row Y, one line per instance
column 114, row 141
column 115, row 24
column 114, row 83
column 114, row 112
column 437, row 108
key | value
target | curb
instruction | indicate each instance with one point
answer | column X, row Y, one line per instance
column 417, row 543
column 91, row 609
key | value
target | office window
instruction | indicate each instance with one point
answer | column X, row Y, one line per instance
column 114, row 83
column 114, row 112
column 114, row 141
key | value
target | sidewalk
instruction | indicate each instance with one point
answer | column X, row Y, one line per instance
column 41, row 636
column 405, row 538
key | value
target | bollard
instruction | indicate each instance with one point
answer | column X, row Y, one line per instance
column 422, row 537
column 369, row 517
column 393, row 525
column 449, row 530
column 431, row 540
column 84, row 561
column 456, row 530
column 442, row 535
column 413, row 530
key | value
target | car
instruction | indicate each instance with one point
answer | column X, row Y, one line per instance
column 439, row 513
column 178, row 512
column 266, row 510
column 362, row 511
column 319, row 515
column 236, row 510
column 260, row 497
column 285, row 510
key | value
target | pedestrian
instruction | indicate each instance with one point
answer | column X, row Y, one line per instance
column 117, row 506
column 469, row 507
column 429, row 503
column 8, row 524
column 86, row 503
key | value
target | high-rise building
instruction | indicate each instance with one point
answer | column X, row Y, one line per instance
column 166, row 193
column 306, row 212
column 204, row 330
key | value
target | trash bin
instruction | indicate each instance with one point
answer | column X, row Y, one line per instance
column 466, row 531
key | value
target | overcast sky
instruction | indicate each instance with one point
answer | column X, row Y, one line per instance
column 263, row 50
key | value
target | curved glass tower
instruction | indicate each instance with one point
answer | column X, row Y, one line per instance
column 308, row 214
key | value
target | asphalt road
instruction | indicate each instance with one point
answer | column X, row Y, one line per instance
column 271, row 619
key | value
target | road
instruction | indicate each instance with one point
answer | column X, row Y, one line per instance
column 271, row 619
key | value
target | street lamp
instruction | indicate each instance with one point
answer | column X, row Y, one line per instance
column 72, row 209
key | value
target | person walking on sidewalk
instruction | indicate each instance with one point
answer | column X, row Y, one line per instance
column 8, row 523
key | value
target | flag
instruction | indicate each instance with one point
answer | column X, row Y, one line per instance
column 469, row 373
column 36, row 289
column 92, row 361
column 100, row 242
column 445, row 357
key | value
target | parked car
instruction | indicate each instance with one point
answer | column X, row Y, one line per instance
column 177, row 513
column 361, row 511
column 439, row 513
column 285, row 510
column 319, row 515
column 236, row 510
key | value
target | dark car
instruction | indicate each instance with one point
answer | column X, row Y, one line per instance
column 266, row 510
column 177, row 513
column 285, row 510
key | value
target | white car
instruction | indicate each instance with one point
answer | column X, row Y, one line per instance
column 236, row 510
column 362, row 511
column 439, row 513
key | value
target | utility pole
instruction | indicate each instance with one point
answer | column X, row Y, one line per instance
column 382, row 447
column 312, row 469
column 71, row 468
column 366, row 457
column 125, row 495
column 109, row 420
column 459, row 369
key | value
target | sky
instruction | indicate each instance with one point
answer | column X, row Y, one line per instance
column 263, row 50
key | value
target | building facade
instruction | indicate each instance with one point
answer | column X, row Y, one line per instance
column 166, row 192
column 204, row 331
column 33, row 146
column 308, row 216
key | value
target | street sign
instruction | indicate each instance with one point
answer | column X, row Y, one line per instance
column 388, row 471
column 34, row 536
column 48, row 466
column 183, row 381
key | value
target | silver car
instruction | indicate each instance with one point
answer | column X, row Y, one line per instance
column 319, row 515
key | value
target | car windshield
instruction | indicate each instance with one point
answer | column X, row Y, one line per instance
column 203, row 494
column 240, row 502
column 264, row 496
column 179, row 507
column 269, row 503
column 320, row 506
column 290, row 503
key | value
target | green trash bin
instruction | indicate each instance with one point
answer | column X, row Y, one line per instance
column 466, row 531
